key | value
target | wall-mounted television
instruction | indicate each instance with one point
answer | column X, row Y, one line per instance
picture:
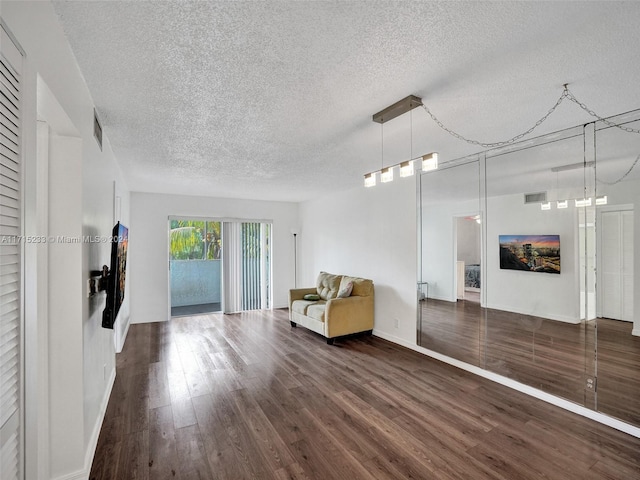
column 117, row 274
column 530, row 253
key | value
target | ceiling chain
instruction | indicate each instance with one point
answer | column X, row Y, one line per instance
column 566, row 93
column 497, row 144
column 571, row 97
column 623, row 176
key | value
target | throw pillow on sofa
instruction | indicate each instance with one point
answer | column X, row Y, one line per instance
column 311, row 296
column 345, row 289
column 328, row 285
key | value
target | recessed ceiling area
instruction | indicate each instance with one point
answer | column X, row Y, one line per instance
column 273, row 100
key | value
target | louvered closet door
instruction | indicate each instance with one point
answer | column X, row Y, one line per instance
column 616, row 278
column 10, row 261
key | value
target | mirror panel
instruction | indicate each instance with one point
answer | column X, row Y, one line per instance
column 450, row 273
column 555, row 300
column 617, row 264
column 536, row 327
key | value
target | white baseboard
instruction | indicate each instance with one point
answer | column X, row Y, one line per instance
column 79, row 475
column 148, row 320
column 636, row 331
column 548, row 316
column 120, row 346
column 392, row 338
column 521, row 387
column 93, row 441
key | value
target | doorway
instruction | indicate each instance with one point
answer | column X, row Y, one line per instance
column 616, row 264
column 195, row 266
column 468, row 258
column 218, row 266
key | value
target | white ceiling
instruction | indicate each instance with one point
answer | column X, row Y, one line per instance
column 273, row 100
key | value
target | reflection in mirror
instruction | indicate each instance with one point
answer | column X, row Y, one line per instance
column 451, row 280
column 617, row 223
column 537, row 332
column 554, row 301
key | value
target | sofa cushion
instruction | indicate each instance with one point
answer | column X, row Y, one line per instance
column 345, row 289
column 328, row 285
column 301, row 306
column 362, row 287
column 316, row 311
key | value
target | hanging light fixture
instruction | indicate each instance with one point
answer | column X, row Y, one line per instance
column 370, row 179
column 429, row 162
column 562, row 204
column 406, row 168
column 602, row 200
column 386, row 175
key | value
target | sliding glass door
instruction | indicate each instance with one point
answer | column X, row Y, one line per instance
column 195, row 266
column 219, row 266
column 247, row 266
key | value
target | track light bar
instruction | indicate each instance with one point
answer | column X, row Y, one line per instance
column 403, row 106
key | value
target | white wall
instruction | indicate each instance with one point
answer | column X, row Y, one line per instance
column 545, row 295
column 439, row 253
column 556, row 297
column 468, row 241
column 77, row 373
column 370, row 233
column 66, row 396
column 149, row 247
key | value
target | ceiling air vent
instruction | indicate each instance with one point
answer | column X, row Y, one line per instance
column 97, row 129
column 539, row 197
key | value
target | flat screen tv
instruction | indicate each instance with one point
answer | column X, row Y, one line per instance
column 117, row 274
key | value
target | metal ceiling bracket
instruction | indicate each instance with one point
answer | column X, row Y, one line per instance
column 403, row 106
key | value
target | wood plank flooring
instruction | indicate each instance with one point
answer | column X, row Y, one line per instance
column 247, row 396
column 554, row 356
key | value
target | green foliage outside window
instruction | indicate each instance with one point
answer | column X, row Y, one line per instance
column 195, row 240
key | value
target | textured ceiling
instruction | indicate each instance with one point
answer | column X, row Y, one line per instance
column 273, row 100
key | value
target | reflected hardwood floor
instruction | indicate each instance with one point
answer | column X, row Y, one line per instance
column 550, row 355
column 247, row 396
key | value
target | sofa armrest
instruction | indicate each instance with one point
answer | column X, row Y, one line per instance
column 348, row 315
column 299, row 293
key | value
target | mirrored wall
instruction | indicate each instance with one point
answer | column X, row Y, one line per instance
column 527, row 263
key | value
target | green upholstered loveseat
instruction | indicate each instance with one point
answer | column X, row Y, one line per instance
column 332, row 315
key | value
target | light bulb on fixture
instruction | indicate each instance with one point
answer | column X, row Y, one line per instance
column 370, row 179
column 386, row 175
column 545, row 206
column 406, row 168
column 562, row 204
column 602, row 200
column 430, row 162
column 584, row 202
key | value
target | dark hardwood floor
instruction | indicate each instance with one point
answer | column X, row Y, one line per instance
column 247, row 396
column 554, row 356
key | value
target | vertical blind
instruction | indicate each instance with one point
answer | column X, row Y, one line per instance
column 246, row 266
column 231, row 267
column 10, row 261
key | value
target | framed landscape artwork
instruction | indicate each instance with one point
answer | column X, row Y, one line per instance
column 530, row 253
